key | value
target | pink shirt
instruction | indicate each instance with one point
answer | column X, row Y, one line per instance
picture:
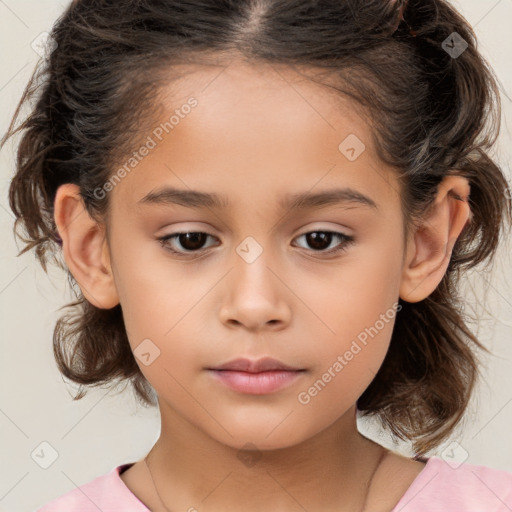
column 438, row 488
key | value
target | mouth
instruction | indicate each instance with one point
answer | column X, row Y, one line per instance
column 264, row 364
column 256, row 377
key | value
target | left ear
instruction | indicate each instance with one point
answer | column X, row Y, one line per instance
column 429, row 247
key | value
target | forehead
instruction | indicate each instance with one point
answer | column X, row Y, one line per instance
column 251, row 94
column 256, row 131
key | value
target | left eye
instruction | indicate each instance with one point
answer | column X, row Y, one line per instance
column 320, row 240
column 193, row 241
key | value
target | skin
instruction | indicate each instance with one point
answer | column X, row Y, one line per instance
column 257, row 134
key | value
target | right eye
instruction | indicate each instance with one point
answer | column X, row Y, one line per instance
column 191, row 241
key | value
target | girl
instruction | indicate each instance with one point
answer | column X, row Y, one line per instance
column 266, row 205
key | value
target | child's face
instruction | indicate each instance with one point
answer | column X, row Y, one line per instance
column 255, row 137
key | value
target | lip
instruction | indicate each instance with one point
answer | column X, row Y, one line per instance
column 257, row 377
column 264, row 364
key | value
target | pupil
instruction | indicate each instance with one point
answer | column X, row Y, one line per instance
column 196, row 239
column 317, row 239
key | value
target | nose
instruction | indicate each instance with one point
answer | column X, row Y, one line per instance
column 256, row 295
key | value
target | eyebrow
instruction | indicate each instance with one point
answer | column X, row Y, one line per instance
column 299, row 201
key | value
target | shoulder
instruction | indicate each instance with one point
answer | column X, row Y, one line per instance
column 106, row 493
column 443, row 486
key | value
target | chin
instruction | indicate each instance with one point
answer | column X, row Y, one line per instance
column 262, row 437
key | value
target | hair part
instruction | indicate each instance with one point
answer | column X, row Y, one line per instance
column 432, row 115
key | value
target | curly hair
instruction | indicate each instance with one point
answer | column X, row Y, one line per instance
column 433, row 113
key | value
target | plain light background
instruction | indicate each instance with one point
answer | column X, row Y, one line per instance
column 105, row 429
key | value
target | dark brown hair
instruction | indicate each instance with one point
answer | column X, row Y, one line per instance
column 433, row 113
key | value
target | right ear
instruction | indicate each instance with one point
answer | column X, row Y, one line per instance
column 84, row 247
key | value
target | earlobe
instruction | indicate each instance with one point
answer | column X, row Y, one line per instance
column 429, row 248
column 84, row 247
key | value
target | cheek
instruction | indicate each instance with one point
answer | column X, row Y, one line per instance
column 354, row 294
column 357, row 308
column 151, row 291
column 160, row 301
column 346, row 362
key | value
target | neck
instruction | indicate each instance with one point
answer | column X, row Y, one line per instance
column 332, row 470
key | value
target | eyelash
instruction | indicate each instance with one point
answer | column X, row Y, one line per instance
column 347, row 241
